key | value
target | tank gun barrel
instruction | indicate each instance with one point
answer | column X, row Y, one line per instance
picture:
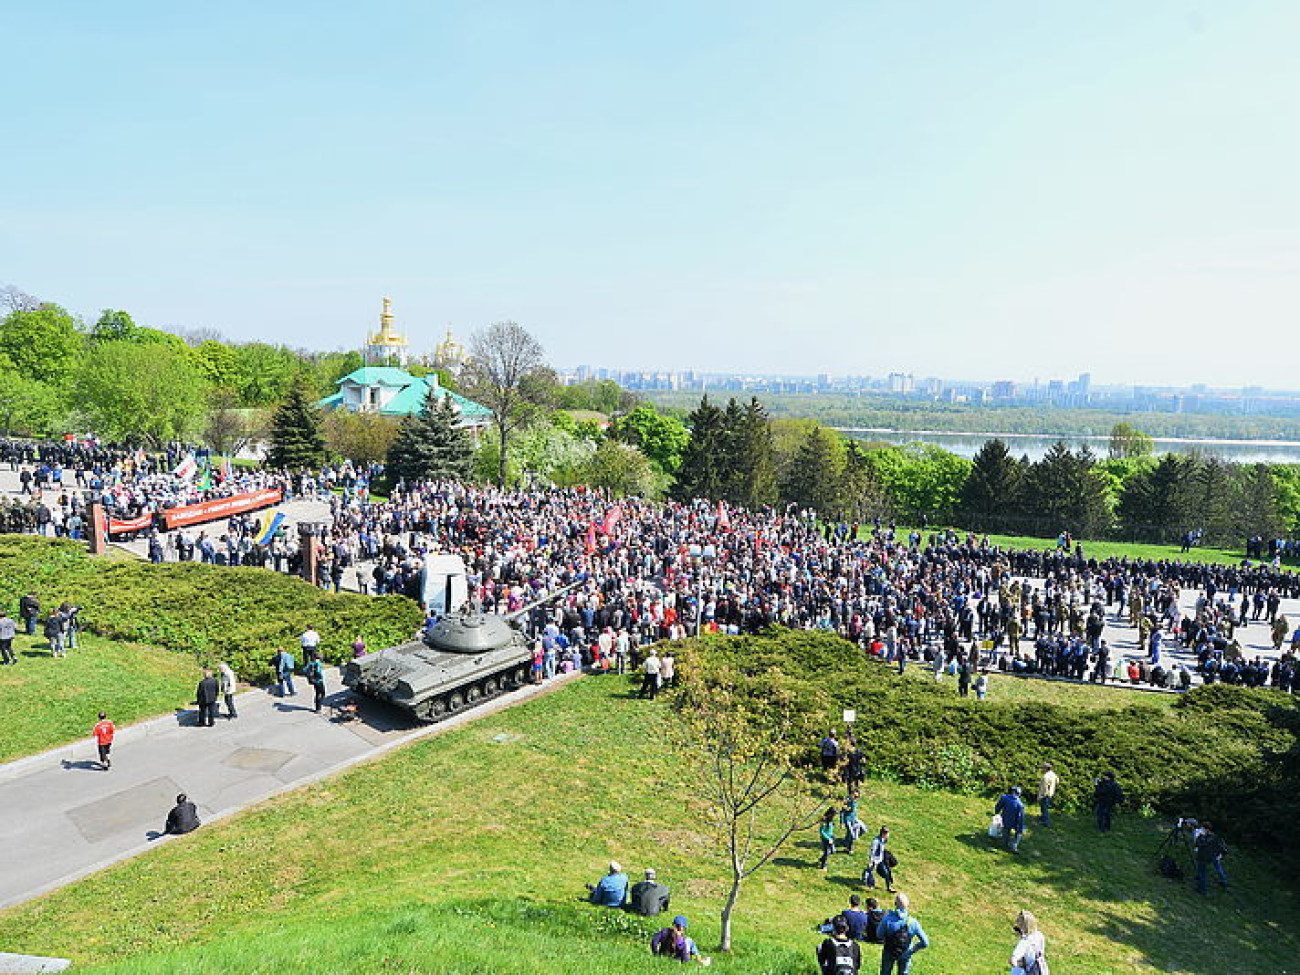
column 524, row 610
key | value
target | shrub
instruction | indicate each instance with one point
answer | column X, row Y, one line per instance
column 1225, row 753
column 217, row 613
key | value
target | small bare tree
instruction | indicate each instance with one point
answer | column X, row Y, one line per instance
column 754, row 794
column 506, row 373
column 15, row 299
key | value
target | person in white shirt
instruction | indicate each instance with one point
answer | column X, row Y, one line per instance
column 228, row 684
column 1029, row 957
column 650, row 683
column 310, row 640
column 1047, row 793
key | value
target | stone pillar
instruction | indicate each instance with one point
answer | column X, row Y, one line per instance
column 98, row 528
column 310, row 547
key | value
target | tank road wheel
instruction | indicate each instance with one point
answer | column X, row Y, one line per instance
column 455, row 701
column 432, row 710
column 520, row 676
column 472, row 695
column 491, row 687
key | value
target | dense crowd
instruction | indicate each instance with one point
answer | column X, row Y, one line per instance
column 642, row 571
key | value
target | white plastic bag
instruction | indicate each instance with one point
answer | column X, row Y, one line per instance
column 995, row 826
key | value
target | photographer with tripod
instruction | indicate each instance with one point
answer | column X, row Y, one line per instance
column 1209, row 850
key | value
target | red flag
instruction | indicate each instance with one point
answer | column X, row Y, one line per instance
column 724, row 519
column 611, row 519
column 591, row 538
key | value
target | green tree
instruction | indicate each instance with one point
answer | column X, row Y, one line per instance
column 27, row 406
column 1127, row 440
column 129, row 391
column 922, row 481
column 363, row 438
column 1257, row 509
column 864, row 496
column 751, row 462
column 115, row 326
column 1158, row 504
column 661, row 438
column 701, row 473
column 227, row 430
column 1063, row 492
column 219, row 364
column 43, row 344
column 815, row 479
column 990, row 498
column 431, row 445
column 620, row 469
column 507, row 373
column 296, row 440
column 265, row 373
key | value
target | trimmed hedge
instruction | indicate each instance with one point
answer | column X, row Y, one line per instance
column 1228, row 754
column 217, row 613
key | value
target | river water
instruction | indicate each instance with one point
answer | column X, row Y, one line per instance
column 1035, row 445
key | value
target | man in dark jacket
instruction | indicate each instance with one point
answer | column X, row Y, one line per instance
column 1012, row 810
column 206, row 697
column 839, row 954
column 1106, row 795
column 648, row 897
column 29, row 608
column 183, row 818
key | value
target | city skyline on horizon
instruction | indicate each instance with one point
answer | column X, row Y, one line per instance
column 1017, row 191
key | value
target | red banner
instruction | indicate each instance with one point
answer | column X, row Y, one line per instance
column 116, row 527
column 236, row 504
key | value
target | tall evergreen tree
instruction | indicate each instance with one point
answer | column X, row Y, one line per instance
column 1258, row 509
column 990, row 498
column 701, row 473
column 1156, row 505
column 431, row 444
column 1063, row 492
column 816, row 475
column 296, row 439
column 754, row 463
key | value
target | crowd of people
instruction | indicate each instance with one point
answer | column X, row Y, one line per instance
column 646, row 571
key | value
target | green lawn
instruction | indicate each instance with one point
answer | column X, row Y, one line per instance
column 46, row 702
column 467, row 853
column 1091, row 548
column 1006, row 687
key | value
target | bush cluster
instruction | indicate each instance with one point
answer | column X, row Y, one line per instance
column 217, row 613
column 1228, row 754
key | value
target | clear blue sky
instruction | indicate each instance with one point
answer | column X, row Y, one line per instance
column 1011, row 188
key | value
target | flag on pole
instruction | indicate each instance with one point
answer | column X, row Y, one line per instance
column 272, row 527
column 591, row 538
column 186, row 468
column 205, row 481
column 724, row 519
column 612, row 517
column 225, row 469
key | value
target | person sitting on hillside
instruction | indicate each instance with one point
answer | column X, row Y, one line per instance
column 672, row 942
column 611, row 889
column 648, row 897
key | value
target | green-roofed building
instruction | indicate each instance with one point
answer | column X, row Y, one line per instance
column 395, row 392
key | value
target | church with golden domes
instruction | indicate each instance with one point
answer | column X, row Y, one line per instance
column 387, row 346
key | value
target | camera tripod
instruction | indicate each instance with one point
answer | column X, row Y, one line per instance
column 1167, row 854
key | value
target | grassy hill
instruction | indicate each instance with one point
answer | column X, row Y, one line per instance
column 467, row 853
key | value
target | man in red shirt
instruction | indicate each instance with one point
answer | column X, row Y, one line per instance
column 103, row 733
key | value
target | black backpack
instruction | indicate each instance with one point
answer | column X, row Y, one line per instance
column 842, row 963
column 899, row 940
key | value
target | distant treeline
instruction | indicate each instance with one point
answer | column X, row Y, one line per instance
column 739, row 455
column 889, row 413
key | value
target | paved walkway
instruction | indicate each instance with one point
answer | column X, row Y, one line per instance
column 65, row 817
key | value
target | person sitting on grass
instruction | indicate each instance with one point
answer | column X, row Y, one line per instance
column 611, row 889
column 183, row 818
column 672, row 942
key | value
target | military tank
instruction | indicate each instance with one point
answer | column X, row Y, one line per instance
column 462, row 660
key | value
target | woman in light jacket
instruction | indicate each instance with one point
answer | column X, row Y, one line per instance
column 1029, row 956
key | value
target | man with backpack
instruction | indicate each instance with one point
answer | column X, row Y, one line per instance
column 1210, row 850
column 839, row 954
column 830, row 752
column 897, row 931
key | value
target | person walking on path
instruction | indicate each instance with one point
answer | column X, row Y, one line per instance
column 1012, row 810
column 898, row 930
column 104, row 732
column 283, row 663
column 1029, row 957
column 881, row 861
column 1047, row 793
column 206, row 697
column 315, row 675
column 1105, row 797
column 8, row 630
column 228, row 686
